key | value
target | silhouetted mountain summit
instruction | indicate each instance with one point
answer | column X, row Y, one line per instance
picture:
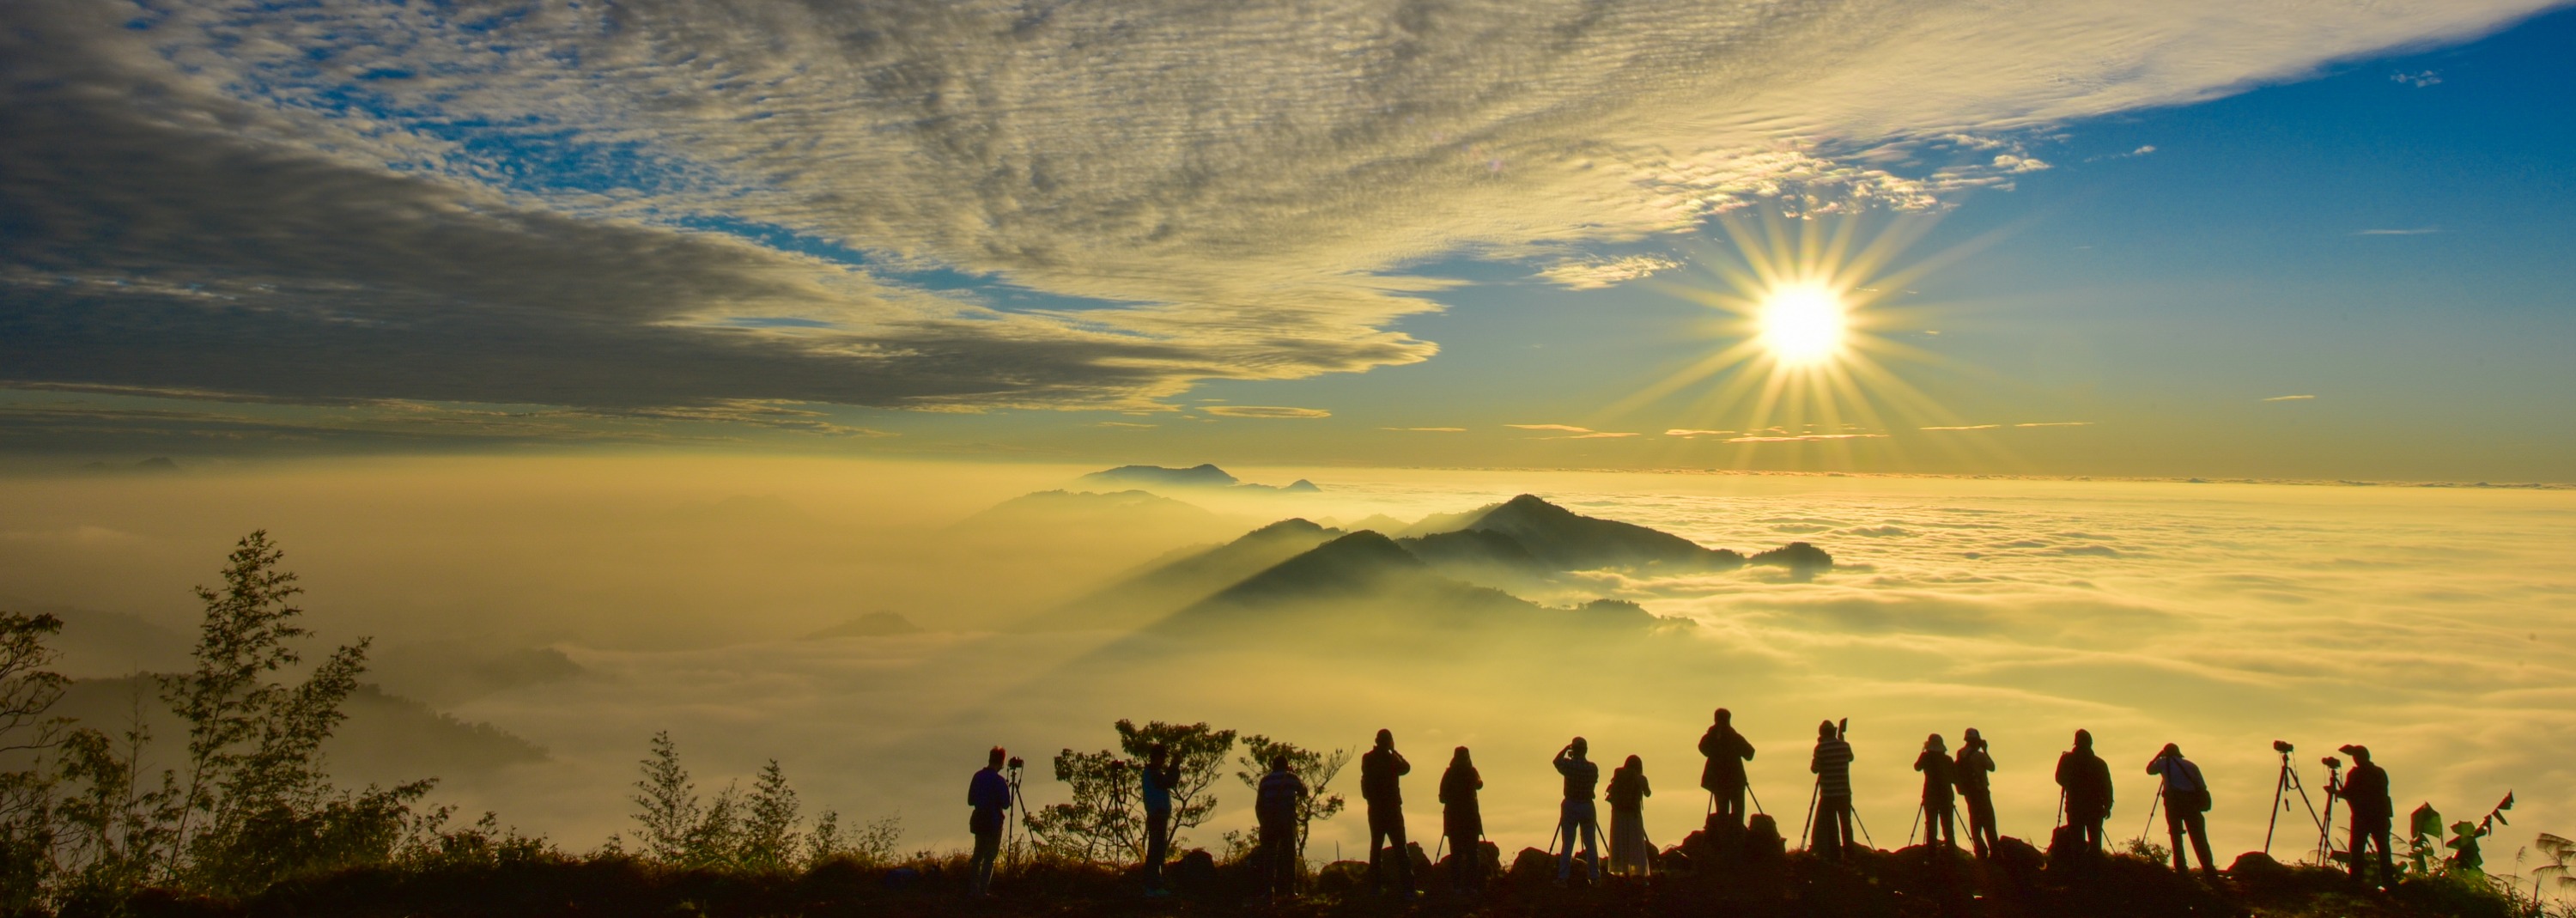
column 1364, row 589
column 1183, row 577
column 1198, row 476
column 1564, row 540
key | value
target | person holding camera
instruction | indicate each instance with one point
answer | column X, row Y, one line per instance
column 1940, row 787
column 1576, row 815
column 1969, row 770
column 1379, row 769
column 990, row 796
column 1159, row 777
column 1630, row 854
column 1723, row 776
column 1831, row 764
column 2186, row 798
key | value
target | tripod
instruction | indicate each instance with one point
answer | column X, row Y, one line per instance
column 2325, row 826
column 2288, row 781
column 1013, row 833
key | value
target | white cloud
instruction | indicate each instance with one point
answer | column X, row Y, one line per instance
column 1265, row 411
column 2056, row 424
column 1689, row 434
column 1806, row 438
column 2290, row 398
column 1966, row 427
column 1596, row 274
column 1568, row 428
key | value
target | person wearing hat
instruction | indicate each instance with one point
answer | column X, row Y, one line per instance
column 2186, row 798
column 2365, row 794
column 1939, row 806
column 1969, row 771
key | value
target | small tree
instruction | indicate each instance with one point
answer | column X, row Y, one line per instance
column 1317, row 769
column 255, row 804
column 1106, row 819
column 768, row 836
column 759, row 831
column 666, row 803
column 27, row 690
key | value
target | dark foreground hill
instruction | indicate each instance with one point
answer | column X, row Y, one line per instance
column 1691, row 880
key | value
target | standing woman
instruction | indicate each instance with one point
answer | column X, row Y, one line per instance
column 1463, row 823
column 1628, row 793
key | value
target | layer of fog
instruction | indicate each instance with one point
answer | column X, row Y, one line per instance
column 583, row 604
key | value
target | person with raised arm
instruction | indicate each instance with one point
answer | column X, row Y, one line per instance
column 1380, row 767
column 1576, row 816
column 1969, row 770
column 2186, row 798
column 1832, row 765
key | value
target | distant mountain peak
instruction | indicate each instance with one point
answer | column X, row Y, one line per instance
column 1203, row 475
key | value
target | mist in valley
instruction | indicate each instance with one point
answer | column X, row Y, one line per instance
column 875, row 626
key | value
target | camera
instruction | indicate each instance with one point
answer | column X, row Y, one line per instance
column 2282, row 746
column 1017, row 762
column 2332, row 762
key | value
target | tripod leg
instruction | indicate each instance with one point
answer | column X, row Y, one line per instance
column 2279, row 785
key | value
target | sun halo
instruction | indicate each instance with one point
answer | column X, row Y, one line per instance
column 1803, row 324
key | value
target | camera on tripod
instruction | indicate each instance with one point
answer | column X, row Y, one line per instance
column 2283, row 747
column 1018, row 763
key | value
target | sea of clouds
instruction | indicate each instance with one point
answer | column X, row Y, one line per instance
column 2419, row 621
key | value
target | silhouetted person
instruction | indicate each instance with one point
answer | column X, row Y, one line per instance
column 1723, row 776
column 1629, row 852
column 1275, row 805
column 2186, row 798
column 1969, row 772
column 2086, row 781
column 1379, row 769
column 990, row 795
column 1463, row 822
column 2365, row 794
column 1940, row 808
column 1832, row 765
column 1160, row 776
column 1576, row 816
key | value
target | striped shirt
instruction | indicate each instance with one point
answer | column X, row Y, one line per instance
column 1833, row 768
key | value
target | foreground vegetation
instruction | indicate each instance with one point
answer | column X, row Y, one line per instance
column 247, row 822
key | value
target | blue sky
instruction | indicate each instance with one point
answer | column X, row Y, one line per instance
column 366, row 227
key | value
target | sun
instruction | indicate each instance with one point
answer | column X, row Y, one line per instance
column 1803, row 324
